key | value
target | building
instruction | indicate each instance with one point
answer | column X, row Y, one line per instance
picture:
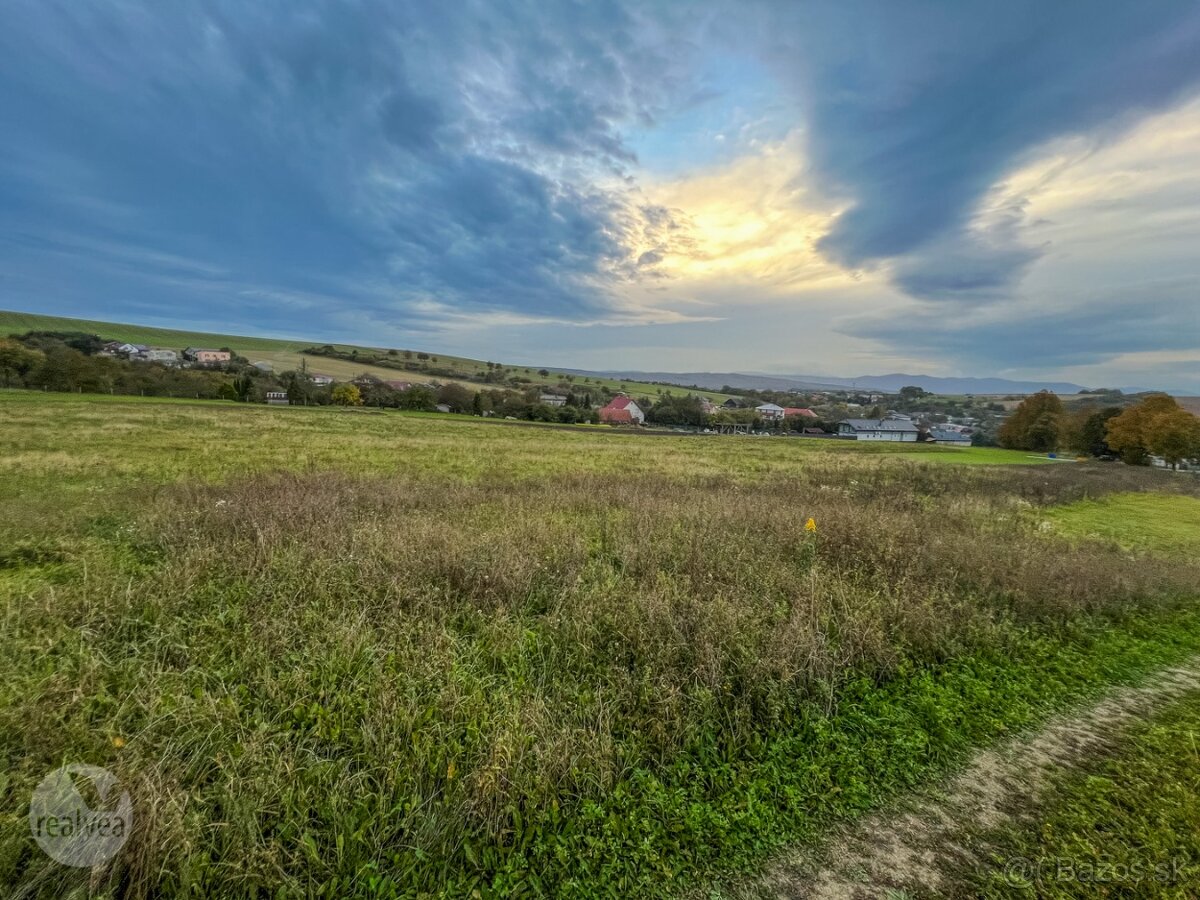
column 398, row 385
column 770, row 411
column 150, row 354
column 553, row 399
column 277, row 398
column 263, row 366
column 878, row 429
column 442, row 408
column 789, row 411
column 622, row 411
column 205, row 357
column 320, row 380
column 949, row 437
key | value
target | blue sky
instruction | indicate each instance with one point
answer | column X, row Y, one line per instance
column 851, row 188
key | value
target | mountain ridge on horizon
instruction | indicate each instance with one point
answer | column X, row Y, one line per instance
column 887, row 383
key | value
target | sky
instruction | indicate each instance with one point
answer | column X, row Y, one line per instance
column 845, row 188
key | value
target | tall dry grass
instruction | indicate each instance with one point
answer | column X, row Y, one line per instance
column 319, row 676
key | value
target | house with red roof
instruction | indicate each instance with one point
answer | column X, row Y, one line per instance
column 622, row 411
column 789, row 411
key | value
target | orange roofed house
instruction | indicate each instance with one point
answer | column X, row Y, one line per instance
column 622, row 411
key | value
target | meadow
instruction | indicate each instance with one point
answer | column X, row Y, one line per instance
column 367, row 653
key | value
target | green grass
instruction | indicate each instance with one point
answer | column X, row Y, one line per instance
column 286, row 354
column 365, row 653
column 1125, row 825
column 1158, row 522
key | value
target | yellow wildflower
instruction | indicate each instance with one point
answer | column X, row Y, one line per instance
column 118, row 742
column 810, row 525
column 451, row 769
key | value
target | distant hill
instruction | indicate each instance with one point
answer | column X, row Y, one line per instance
column 289, row 354
column 883, row 383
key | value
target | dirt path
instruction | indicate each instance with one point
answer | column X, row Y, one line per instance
column 907, row 847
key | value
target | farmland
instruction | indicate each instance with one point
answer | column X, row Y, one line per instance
column 339, row 652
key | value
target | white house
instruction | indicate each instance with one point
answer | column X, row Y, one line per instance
column 553, row 399
column 878, row 429
column 770, row 412
column 320, row 379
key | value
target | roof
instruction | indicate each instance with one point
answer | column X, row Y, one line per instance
column 879, row 424
column 799, row 411
column 769, row 407
column 945, row 434
column 621, row 402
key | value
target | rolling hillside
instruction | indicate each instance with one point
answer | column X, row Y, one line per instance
column 285, row 354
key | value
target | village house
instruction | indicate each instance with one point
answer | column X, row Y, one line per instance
column 399, row 385
column 878, row 429
column 948, row 437
column 622, row 411
column 789, row 411
column 553, row 399
column 277, row 398
column 320, row 380
column 770, row 411
column 206, row 357
column 153, row 354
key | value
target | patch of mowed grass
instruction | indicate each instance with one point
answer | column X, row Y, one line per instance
column 1125, row 824
column 351, row 653
column 1156, row 522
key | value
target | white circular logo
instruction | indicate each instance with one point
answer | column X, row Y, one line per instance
column 67, row 828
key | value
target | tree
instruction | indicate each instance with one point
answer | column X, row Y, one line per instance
column 1091, row 436
column 1175, row 437
column 1034, row 424
column 16, row 361
column 911, row 392
column 456, row 396
column 1132, row 432
column 346, row 394
column 242, row 386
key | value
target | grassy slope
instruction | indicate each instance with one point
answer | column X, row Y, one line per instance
column 194, row 671
column 285, row 354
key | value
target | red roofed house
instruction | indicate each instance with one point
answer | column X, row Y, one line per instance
column 789, row 411
column 622, row 411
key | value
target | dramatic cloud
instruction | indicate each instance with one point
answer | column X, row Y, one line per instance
column 469, row 155
column 965, row 187
column 916, row 110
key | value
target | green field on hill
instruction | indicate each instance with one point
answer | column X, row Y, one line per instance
column 364, row 653
column 287, row 354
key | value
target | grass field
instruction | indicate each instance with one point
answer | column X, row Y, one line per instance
column 363, row 653
column 1096, row 834
column 1136, row 521
column 285, row 355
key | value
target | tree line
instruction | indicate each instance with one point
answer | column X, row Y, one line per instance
column 1157, row 426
